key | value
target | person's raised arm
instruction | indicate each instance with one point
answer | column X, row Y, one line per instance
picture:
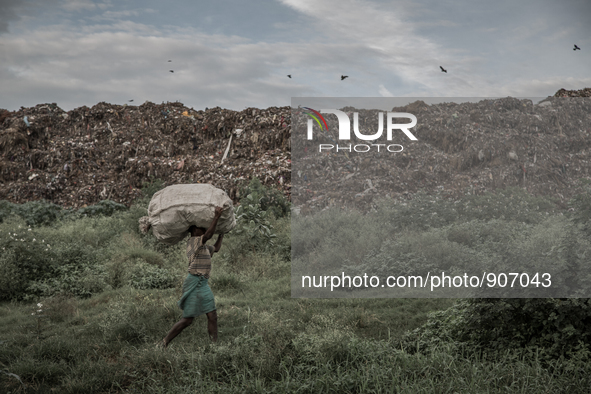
column 211, row 230
column 218, row 244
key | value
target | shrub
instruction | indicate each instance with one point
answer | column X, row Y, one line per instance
column 150, row 188
column 431, row 211
column 6, row 209
column 270, row 199
column 253, row 226
column 555, row 327
column 24, row 258
column 44, row 213
column 145, row 276
column 38, row 213
column 102, row 208
column 333, row 237
column 581, row 204
column 69, row 279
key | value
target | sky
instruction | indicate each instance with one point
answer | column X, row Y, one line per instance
column 238, row 53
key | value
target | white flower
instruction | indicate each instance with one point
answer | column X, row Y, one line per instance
column 39, row 305
column 33, row 239
column 39, row 310
column 29, row 229
column 33, row 313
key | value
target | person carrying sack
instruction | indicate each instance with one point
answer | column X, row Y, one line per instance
column 197, row 298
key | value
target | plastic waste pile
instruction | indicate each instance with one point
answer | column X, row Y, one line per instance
column 80, row 157
column 544, row 148
column 586, row 92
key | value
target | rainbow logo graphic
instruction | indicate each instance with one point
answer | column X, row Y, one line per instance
column 315, row 115
column 321, row 121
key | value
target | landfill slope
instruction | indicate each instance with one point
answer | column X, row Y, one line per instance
column 80, row 157
column 474, row 148
column 85, row 155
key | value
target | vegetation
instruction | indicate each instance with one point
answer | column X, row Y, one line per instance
column 271, row 200
column 505, row 232
column 43, row 213
column 85, row 299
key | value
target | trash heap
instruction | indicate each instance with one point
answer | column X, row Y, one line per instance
column 473, row 148
column 586, row 92
column 80, row 157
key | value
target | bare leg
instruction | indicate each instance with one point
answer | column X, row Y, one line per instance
column 177, row 328
column 212, row 325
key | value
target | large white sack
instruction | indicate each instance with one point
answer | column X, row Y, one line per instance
column 175, row 208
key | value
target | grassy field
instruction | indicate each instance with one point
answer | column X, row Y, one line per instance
column 86, row 300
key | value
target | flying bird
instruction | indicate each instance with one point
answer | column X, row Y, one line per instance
column 171, row 71
column 576, row 47
column 289, row 75
column 443, row 69
column 170, row 61
column 344, row 76
column 130, row 100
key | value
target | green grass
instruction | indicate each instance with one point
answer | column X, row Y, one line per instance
column 268, row 343
column 102, row 340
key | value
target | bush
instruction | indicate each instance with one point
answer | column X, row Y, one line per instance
column 24, row 258
column 431, row 211
column 431, row 234
column 145, row 276
column 33, row 267
column 44, row 213
column 39, row 213
column 253, row 226
column 270, row 199
column 6, row 209
column 72, row 256
column 334, row 237
column 554, row 327
column 102, row 208
column 150, row 188
column 71, row 280
column 581, row 204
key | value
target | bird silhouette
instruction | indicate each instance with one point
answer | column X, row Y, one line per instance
column 130, row 101
column 289, row 75
column 170, row 61
column 344, row 76
column 171, row 71
column 443, row 69
column 576, row 47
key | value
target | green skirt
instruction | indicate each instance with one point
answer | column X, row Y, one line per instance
column 197, row 297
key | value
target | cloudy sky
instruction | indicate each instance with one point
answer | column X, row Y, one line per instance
column 237, row 53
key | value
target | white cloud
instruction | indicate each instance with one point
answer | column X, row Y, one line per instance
column 79, row 5
column 388, row 35
column 385, row 92
column 115, row 59
column 8, row 13
column 129, row 60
